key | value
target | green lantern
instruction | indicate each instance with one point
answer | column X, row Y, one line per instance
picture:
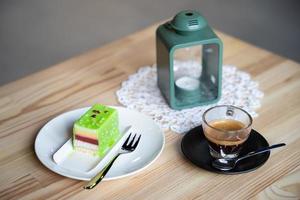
column 189, row 61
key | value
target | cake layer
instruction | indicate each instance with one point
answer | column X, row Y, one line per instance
column 86, row 147
column 92, row 136
column 86, row 139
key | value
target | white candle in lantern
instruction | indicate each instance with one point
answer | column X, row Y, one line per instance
column 187, row 83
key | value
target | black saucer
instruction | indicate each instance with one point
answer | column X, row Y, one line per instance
column 194, row 146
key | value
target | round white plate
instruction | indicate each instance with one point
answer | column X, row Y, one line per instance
column 58, row 131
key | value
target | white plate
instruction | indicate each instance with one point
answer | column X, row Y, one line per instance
column 80, row 166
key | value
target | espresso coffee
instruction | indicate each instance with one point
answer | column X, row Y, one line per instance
column 226, row 137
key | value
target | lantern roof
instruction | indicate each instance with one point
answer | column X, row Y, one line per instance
column 187, row 21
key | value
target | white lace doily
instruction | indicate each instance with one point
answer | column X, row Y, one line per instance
column 140, row 92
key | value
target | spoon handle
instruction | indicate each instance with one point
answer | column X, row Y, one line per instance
column 261, row 150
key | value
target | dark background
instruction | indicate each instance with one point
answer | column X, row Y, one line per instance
column 35, row 34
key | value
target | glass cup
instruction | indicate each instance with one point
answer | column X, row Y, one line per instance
column 226, row 129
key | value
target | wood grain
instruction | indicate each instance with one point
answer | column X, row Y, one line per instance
column 27, row 104
column 287, row 187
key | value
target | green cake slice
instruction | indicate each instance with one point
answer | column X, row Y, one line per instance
column 97, row 130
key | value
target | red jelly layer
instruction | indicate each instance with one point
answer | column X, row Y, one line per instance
column 86, row 139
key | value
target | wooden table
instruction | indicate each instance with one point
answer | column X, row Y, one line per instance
column 27, row 104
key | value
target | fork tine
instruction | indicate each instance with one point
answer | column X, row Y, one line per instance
column 131, row 142
column 137, row 142
column 124, row 144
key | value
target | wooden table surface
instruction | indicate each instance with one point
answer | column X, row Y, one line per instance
column 27, row 104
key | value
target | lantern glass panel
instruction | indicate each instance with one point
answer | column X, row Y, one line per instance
column 195, row 70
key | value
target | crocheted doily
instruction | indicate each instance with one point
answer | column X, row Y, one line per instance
column 140, row 93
